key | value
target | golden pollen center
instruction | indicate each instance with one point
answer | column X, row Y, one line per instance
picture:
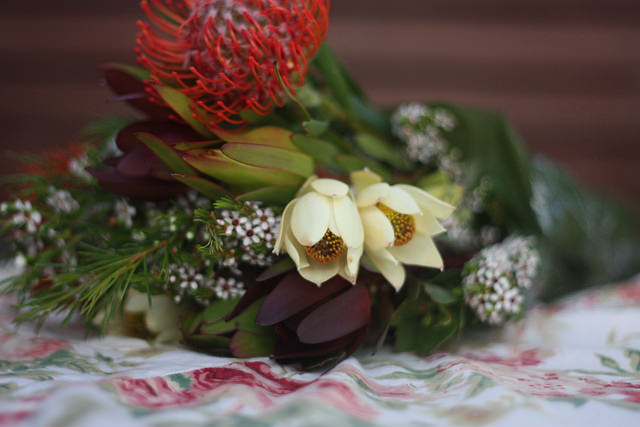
column 404, row 226
column 328, row 249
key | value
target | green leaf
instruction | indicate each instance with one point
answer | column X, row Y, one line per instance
column 205, row 187
column 167, row 154
column 493, row 150
column 270, row 195
column 440, row 294
column 249, row 344
column 432, row 337
column 380, row 149
column 272, row 136
column 315, row 127
column 184, row 107
column 214, row 323
column 322, row 151
column 240, row 176
column 270, row 157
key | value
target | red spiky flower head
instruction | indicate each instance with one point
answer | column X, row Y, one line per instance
column 225, row 54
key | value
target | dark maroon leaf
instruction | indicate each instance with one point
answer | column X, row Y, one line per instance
column 168, row 131
column 292, row 295
column 132, row 90
column 337, row 317
column 141, row 188
column 137, row 162
column 254, row 292
column 289, row 348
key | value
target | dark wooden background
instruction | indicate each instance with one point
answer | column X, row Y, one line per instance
column 566, row 72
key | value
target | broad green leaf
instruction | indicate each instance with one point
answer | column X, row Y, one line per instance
column 239, row 176
column 205, row 187
column 494, row 152
column 315, row 127
column 266, row 135
column 270, row 157
column 322, row 151
column 439, row 294
column 208, row 342
column 185, row 108
column 167, row 154
column 432, row 337
column 270, row 195
column 249, row 344
column 381, row 149
column 245, row 321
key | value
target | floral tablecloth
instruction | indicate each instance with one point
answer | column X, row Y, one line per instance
column 573, row 363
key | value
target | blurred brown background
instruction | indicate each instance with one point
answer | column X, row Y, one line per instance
column 566, row 72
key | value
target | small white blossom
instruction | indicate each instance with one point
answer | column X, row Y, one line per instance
column 26, row 216
column 78, row 165
column 61, row 201
column 124, row 213
column 228, row 287
column 495, row 278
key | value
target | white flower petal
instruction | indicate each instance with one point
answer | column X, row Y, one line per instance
column 427, row 224
column 347, row 218
column 372, row 194
column 378, row 231
column 392, row 271
column 330, row 187
column 310, row 218
column 285, row 223
column 363, row 179
column 419, row 251
column 295, row 251
column 401, row 201
column 352, row 264
column 427, row 202
column 319, row 273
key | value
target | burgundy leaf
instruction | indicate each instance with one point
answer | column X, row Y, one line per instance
column 141, row 188
column 137, row 162
column 168, row 131
column 130, row 89
column 254, row 292
column 289, row 348
column 336, row 318
column 292, row 295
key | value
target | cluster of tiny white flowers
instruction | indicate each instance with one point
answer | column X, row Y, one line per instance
column 61, row 201
column 78, row 165
column 124, row 213
column 421, row 127
column 253, row 232
column 24, row 215
column 495, row 278
column 201, row 284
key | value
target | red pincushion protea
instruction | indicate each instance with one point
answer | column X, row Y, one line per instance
column 223, row 54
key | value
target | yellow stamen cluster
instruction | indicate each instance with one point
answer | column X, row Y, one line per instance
column 404, row 226
column 328, row 249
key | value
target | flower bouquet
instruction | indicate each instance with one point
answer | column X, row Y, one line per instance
column 260, row 206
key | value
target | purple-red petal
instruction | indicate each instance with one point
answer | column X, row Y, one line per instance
column 292, row 295
column 336, row 318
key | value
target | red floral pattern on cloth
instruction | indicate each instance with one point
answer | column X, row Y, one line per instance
column 579, row 361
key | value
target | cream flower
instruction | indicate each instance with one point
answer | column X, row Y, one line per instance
column 158, row 322
column 398, row 221
column 321, row 231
